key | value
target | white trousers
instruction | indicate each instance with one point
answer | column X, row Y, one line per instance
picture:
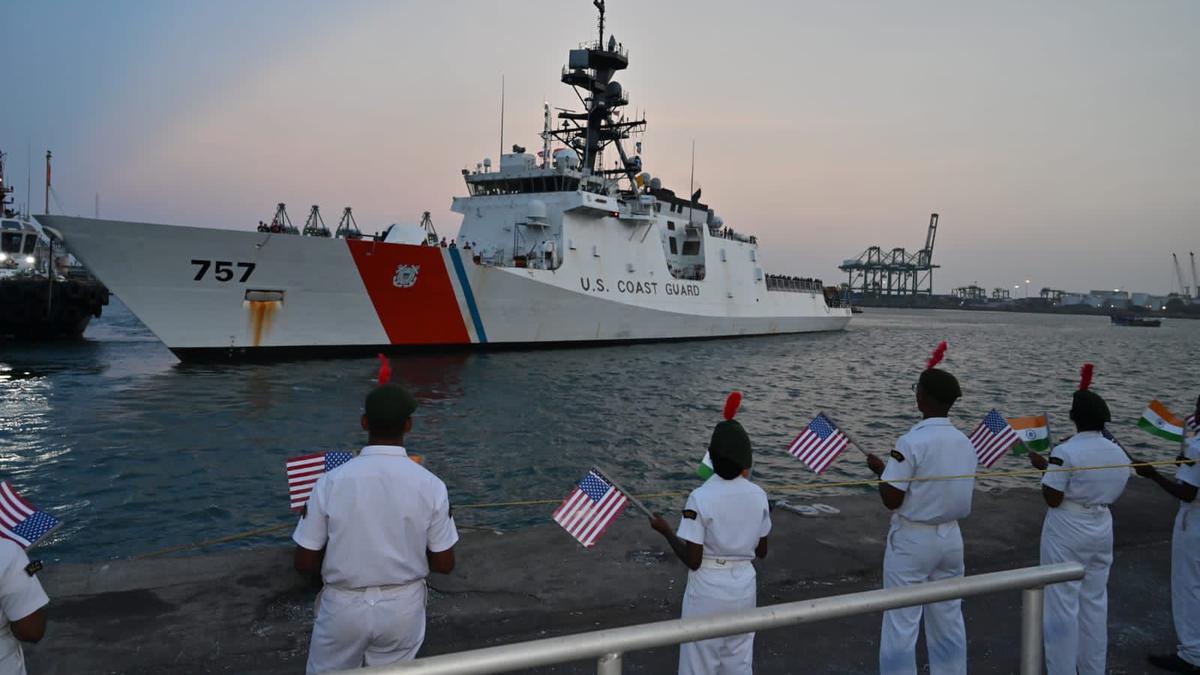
column 711, row 591
column 1185, row 582
column 12, row 660
column 916, row 554
column 1075, row 619
column 369, row 627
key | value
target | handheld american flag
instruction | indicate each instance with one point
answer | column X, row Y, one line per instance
column 20, row 521
column 992, row 438
column 590, row 508
column 819, row 444
column 303, row 472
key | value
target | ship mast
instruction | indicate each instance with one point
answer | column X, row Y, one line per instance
column 590, row 70
column 6, row 191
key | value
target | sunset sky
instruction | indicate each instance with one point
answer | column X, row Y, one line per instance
column 1060, row 142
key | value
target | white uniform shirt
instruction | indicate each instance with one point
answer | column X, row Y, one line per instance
column 376, row 515
column 20, row 596
column 1186, row 473
column 726, row 517
column 1090, row 488
column 933, row 448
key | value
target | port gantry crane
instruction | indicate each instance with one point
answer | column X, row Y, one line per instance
column 1195, row 281
column 1184, row 290
column 895, row 272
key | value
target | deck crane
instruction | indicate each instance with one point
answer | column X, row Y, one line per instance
column 1183, row 287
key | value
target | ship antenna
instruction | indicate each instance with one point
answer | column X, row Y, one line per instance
column 600, row 6
column 692, row 186
column 47, row 209
column 28, row 177
column 501, row 116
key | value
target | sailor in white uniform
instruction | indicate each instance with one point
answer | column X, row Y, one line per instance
column 374, row 527
column 1185, row 552
column 1078, row 528
column 22, row 606
column 723, row 529
column 924, row 542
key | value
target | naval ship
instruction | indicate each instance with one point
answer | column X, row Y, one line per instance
column 573, row 245
column 44, row 293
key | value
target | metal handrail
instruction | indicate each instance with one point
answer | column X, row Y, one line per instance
column 608, row 645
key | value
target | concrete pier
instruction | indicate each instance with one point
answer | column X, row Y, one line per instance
column 248, row 612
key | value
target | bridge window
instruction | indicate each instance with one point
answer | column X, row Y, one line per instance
column 671, row 241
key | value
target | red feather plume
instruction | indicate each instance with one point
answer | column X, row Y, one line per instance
column 938, row 355
column 1085, row 376
column 385, row 370
column 732, row 403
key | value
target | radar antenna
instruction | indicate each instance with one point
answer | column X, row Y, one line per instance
column 590, row 70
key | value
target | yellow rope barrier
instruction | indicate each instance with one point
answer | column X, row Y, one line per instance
column 784, row 488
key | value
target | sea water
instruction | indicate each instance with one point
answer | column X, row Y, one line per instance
column 135, row 451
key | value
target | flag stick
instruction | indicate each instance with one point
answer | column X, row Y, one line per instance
column 1118, row 444
column 846, row 434
column 641, row 507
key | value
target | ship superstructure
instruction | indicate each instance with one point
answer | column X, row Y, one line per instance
column 44, row 292
column 572, row 244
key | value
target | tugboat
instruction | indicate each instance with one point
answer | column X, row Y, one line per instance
column 1133, row 320
column 44, row 292
column 574, row 244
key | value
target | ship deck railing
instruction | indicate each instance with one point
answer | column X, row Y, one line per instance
column 793, row 284
column 610, row 645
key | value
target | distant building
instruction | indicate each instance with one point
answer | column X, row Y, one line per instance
column 972, row 292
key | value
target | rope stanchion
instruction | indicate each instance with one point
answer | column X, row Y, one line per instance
column 654, row 495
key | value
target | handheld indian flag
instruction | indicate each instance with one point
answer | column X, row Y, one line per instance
column 705, row 469
column 1161, row 422
column 1034, row 431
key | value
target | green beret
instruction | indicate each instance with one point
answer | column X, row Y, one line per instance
column 1088, row 406
column 940, row 385
column 389, row 405
column 729, row 440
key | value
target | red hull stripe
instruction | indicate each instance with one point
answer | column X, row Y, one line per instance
column 424, row 313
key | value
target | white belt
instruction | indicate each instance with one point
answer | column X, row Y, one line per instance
column 939, row 527
column 722, row 563
column 374, row 589
column 371, row 594
column 1068, row 505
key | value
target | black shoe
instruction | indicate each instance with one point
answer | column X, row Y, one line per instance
column 1172, row 662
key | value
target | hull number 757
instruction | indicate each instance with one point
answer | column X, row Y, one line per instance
column 222, row 270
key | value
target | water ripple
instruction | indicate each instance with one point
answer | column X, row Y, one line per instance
column 135, row 451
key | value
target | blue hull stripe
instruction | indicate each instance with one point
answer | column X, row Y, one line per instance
column 456, row 257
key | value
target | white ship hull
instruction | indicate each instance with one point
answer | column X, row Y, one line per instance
column 210, row 293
